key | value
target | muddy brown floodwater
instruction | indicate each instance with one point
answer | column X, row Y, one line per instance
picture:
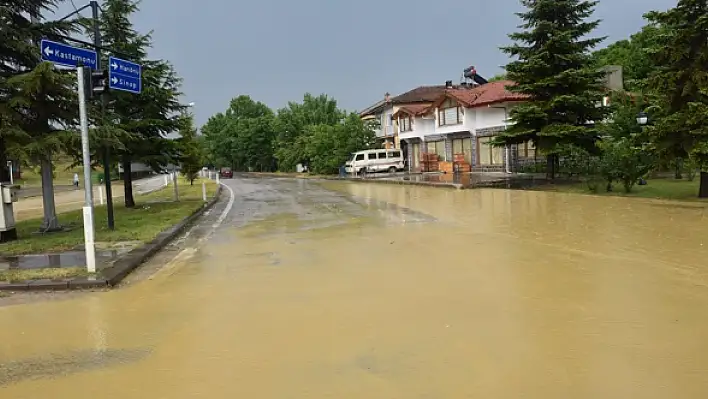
column 340, row 290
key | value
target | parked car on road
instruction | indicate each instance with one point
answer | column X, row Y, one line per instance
column 226, row 173
column 372, row 161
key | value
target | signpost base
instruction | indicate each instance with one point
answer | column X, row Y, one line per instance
column 89, row 240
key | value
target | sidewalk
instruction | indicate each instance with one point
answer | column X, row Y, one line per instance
column 29, row 208
column 37, row 191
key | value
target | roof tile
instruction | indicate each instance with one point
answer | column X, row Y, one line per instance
column 490, row 93
column 419, row 94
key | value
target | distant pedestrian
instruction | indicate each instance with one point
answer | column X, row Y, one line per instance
column 76, row 180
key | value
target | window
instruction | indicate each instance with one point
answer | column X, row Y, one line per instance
column 437, row 147
column 449, row 116
column 406, row 124
column 526, row 150
column 488, row 154
column 463, row 146
column 394, row 154
column 360, row 157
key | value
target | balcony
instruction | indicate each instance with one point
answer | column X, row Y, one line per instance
column 386, row 131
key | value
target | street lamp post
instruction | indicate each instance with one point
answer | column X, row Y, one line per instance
column 642, row 120
column 174, row 165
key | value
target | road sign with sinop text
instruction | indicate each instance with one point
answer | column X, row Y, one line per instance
column 124, row 75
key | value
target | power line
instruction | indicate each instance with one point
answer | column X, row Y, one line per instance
column 74, row 5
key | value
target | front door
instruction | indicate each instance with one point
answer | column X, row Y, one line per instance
column 416, row 156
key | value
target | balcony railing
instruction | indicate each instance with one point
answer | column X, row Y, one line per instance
column 386, row 131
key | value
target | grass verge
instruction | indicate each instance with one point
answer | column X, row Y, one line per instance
column 670, row 189
column 153, row 213
column 19, row 275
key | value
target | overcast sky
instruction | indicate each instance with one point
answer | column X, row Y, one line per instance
column 354, row 51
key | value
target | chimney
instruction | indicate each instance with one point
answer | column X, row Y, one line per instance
column 448, row 84
column 387, row 97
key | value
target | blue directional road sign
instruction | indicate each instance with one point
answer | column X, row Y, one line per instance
column 62, row 54
column 124, row 75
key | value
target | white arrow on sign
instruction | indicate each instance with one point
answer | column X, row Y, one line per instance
column 114, row 80
column 48, row 51
column 114, row 65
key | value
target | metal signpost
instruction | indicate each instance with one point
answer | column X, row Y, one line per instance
column 124, row 75
column 88, row 192
column 62, row 54
column 84, row 60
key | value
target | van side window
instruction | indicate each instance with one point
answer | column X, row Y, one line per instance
column 394, row 154
column 382, row 155
column 360, row 157
column 372, row 156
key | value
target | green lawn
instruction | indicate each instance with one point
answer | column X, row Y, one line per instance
column 154, row 213
column 19, row 275
column 671, row 189
column 63, row 174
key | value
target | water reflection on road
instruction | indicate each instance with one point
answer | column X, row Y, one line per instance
column 350, row 290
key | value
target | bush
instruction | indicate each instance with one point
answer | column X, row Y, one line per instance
column 624, row 162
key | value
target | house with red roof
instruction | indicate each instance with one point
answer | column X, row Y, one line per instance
column 461, row 121
column 457, row 121
column 381, row 113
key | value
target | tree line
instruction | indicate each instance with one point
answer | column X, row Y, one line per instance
column 39, row 105
column 314, row 133
column 556, row 64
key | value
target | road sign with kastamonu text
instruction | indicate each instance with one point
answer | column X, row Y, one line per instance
column 63, row 54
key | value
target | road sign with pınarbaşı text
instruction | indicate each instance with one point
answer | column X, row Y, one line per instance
column 63, row 54
column 124, row 75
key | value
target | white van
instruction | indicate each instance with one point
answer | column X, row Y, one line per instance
column 371, row 161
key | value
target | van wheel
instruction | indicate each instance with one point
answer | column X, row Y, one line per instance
column 392, row 169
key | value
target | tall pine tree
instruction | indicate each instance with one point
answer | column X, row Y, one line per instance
column 681, row 84
column 36, row 99
column 554, row 68
column 145, row 118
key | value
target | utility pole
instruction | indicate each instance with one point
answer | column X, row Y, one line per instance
column 104, row 101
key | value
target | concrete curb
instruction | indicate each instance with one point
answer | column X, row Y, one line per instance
column 380, row 180
column 121, row 268
column 404, row 183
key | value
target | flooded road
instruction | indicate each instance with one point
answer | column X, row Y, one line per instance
column 350, row 290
